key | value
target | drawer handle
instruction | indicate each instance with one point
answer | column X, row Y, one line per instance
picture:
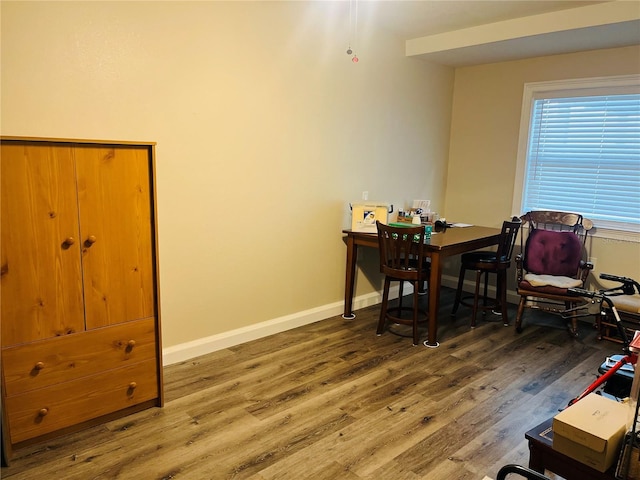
column 132, row 388
column 69, row 241
column 43, row 412
column 128, row 348
column 38, row 366
column 91, row 239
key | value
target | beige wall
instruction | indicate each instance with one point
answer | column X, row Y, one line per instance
column 265, row 131
column 264, row 125
column 484, row 140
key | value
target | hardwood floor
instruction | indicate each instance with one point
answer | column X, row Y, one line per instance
column 332, row 400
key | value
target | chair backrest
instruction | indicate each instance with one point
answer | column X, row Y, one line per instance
column 507, row 240
column 555, row 245
column 401, row 252
column 559, row 221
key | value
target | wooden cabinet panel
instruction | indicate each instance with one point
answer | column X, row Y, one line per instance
column 41, row 292
column 36, row 413
column 115, row 221
column 42, row 364
column 80, row 327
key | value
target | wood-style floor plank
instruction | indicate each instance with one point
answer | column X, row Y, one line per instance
column 333, row 400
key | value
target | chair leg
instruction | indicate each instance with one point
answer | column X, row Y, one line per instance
column 400, row 294
column 486, row 292
column 422, row 288
column 598, row 325
column 475, row 298
column 523, row 299
column 573, row 330
column 456, row 302
column 416, row 297
column 502, row 295
column 384, row 306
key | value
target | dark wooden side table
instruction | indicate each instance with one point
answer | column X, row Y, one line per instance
column 542, row 456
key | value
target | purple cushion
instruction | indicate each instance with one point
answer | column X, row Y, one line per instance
column 552, row 253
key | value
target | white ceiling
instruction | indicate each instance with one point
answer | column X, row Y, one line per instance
column 421, row 21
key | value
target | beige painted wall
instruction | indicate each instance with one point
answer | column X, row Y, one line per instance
column 484, row 140
column 265, row 131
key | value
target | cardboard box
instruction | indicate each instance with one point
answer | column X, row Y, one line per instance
column 364, row 216
column 591, row 431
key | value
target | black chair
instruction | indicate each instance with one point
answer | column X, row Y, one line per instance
column 402, row 260
column 484, row 263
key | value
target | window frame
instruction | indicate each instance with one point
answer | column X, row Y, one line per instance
column 568, row 88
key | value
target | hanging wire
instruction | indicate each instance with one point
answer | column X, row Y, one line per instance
column 353, row 29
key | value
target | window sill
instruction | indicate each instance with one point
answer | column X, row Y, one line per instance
column 620, row 235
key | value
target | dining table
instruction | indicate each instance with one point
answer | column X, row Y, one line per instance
column 443, row 242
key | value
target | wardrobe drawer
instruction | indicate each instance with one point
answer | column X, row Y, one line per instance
column 46, row 410
column 48, row 362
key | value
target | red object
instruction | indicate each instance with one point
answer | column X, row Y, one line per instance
column 631, row 359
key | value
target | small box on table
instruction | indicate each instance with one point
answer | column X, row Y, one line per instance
column 364, row 216
column 591, row 431
column 428, row 228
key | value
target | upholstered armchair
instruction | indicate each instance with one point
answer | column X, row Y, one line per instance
column 552, row 260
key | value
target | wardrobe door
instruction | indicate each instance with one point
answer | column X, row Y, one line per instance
column 41, row 286
column 115, row 202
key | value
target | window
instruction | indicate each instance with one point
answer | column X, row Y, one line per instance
column 580, row 150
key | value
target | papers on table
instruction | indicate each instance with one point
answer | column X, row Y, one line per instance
column 461, row 225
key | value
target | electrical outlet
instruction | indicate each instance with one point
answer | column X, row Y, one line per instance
column 365, row 195
column 593, row 260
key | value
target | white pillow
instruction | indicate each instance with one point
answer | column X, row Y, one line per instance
column 552, row 281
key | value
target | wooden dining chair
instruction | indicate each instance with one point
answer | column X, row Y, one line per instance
column 552, row 260
column 485, row 263
column 402, row 260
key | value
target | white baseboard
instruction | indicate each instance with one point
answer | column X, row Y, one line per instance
column 203, row 346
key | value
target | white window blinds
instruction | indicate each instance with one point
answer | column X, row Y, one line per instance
column 584, row 156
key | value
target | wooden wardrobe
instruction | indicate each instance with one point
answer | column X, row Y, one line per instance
column 80, row 326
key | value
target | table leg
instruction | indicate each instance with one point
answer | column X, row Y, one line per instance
column 434, row 300
column 536, row 461
column 352, row 255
